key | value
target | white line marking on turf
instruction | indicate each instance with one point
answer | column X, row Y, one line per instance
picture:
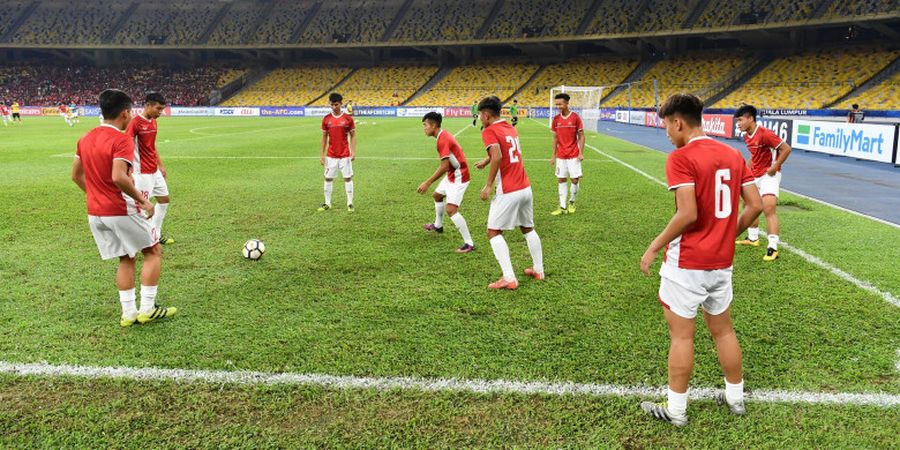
column 380, row 158
column 865, row 285
column 427, row 384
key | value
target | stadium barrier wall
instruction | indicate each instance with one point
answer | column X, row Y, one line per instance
column 856, row 140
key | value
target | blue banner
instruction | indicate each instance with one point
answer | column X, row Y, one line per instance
column 91, row 110
column 375, row 111
column 539, row 113
column 282, row 111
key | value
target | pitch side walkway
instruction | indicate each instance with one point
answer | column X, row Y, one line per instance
column 866, row 187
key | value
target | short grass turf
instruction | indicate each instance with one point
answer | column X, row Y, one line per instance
column 371, row 294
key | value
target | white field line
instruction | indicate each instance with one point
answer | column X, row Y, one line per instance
column 865, row 285
column 427, row 384
column 377, row 158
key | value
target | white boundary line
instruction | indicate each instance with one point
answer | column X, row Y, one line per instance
column 378, row 158
column 427, row 384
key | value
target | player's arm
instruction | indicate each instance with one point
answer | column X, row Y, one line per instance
column 441, row 170
column 555, row 147
column 752, row 207
column 78, row 174
column 684, row 217
column 125, row 183
column 580, row 143
column 494, row 159
column 352, row 144
column 324, row 146
column 783, row 151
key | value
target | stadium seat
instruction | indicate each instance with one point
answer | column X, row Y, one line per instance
column 351, row 21
column 383, row 86
column 64, row 23
column 167, row 23
column 278, row 27
column 574, row 73
column 882, row 96
column 467, row 84
column 520, row 18
column 442, row 21
column 289, row 87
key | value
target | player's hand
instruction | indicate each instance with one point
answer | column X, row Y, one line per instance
column 148, row 208
column 322, row 160
column 553, row 161
column 772, row 171
column 647, row 261
column 485, row 192
column 164, row 172
column 423, row 188
column 481, row 164
column 353, row 157
column 581, row 157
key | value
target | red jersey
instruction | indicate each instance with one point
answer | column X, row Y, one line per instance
column 142, row 132
column 338, row 128
column 566, row 129
column 718, row 173
column 763, row 145
column 4, row 110
column 62, row 108
column 512, row 175
column 97, row 149
column 448, row 148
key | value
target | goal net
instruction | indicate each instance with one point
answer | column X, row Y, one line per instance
column 585, row 100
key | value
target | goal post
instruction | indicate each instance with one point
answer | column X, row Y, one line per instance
column 585, row 100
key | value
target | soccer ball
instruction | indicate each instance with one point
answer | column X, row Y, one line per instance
column 253, row 249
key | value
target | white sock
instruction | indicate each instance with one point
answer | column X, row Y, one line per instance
column 734, row 393
column 773, row 241
column 537, row 253
column 329, row 186
column 158, row 217
column 463, row 228
column 562, row 194
column 753, row 233
column 126, row 297
column 501, row 252
column 348, row 188
column 573, row 191
column 677, row 402
column 439, row 213
column 148, row 298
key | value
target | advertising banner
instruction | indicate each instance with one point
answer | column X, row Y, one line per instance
column 523, row 113
column 417, row 111
column 856, row 140
column 608, row 114
column 457, row 111
column 191, row 111
column 92, row 110
column 637, row 117
column 651, row 119
column 375, row 111
column 721, row 125
column 282, row 111
column 539, row 113
column 237, row 111
column 48, row 111
column 31, row 111
column 317, row 110
column 781, row 127
column 621, row 116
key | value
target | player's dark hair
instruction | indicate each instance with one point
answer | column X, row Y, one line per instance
column 335, row 97
column 746, row 109
column 855, row 106
column 491, row 104
column 516, row 101
column 155, row 97
column 435, row 117
column 563, row 96
column 113, row 102
column 688, row 106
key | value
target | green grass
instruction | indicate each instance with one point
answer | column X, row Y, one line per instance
column 370, row 294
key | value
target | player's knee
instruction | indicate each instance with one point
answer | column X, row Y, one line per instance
column 493, row 233
column 163, row 200
column 347, row 180
column 437, row 197
column 575, row 180
column 562, row 181
column 451, row 210
column 152, row 251
column 769, row 208
column 526, row 230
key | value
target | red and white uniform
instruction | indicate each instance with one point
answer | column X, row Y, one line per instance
column 513, row 204
column 697, row 266
column 149, row 179
column 454, row 185
column 763, row 146
column 566, row 151
column 338, row 156
column 117, row 224
column 62, row 110
column 4, row 113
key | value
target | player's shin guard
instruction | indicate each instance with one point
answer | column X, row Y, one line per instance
column 126, row 298
column 537, row 252
column 329, row 186
column 148, row 298
column 773, row 241
column 562, row 195
column 348, row 188
column 574, row 191
column 439, row 213
column 753, row 233
column 463, row 228
column 501, row 252
column 158, row 216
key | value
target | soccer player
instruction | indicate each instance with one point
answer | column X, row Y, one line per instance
column 513, row 203
column 4, row 113
column 15, row 113
column 474, row 112
column 102, row 169
column 707, row 177
column 449, row 194
column 64, row 113
column 568, row 152
column 855, row 115
column 336, row 128
column 767, row 154
column 349, row 107
column 514, row 112
column 73, row 111
column 150, row 174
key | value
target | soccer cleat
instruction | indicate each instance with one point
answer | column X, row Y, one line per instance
column 466, row 248
column 737, row 408
column 771, row 254
column 503, row 284
column 748, row 242
column 166, row 240
column 571, row 208
column 536, row 275
column 431, row 227
column 324, row 207
column 158, row 312
column 127, row 321
column 559, row 212
column 659, row 411
column 350, row 208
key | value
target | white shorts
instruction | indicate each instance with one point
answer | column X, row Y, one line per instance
column 511, row 211
column 453, row 191
column 684, row 290
column 332, row 165
column 122, row 235
column 7, row 118
column 152, row 184
column 769, row 185
column 568, row 168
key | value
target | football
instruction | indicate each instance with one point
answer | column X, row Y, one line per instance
column 253, row 249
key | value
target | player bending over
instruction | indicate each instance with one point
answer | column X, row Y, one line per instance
column 513, row 205
column 708, row 177
column 150, row 175
column 568, row 152
column 336, row 127
column 102, row 169
column 449, row 194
